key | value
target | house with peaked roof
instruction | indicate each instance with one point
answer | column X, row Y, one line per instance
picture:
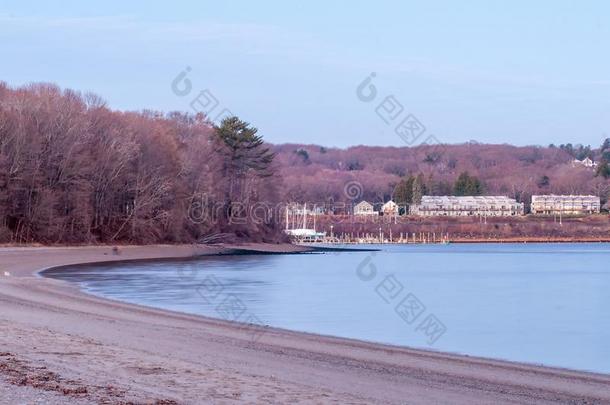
column 364, row 208
column 390, row 208
column 586, row 162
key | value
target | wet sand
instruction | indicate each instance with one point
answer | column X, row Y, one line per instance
column 60, row 345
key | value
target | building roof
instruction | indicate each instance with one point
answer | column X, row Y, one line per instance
column 586, row 162
column 563, row 196
column 363, row 203
column 448, row 199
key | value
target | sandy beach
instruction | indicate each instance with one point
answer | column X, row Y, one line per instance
column 60, row 345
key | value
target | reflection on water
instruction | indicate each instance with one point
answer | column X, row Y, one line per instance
column 538, row 303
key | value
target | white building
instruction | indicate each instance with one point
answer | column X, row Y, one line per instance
column 586, row 162
column 390, row 208
column 565, row 204
column 493, row 206
column 364, row 208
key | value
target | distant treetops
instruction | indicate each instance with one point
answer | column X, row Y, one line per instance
column 74, row 171
column 411, row 189
column 603, row 167
column 467, row 185
column 583, row 153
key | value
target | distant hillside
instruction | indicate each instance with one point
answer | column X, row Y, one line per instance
column 317, row 174
column 74, row 171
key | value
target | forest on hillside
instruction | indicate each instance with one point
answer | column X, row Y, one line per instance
column 72, row 170
column 315, row 173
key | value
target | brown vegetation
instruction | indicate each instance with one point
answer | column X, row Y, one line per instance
column 317, row 174
column 74, row 171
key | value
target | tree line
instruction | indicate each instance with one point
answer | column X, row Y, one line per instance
column 74, row 171
column 411, row 188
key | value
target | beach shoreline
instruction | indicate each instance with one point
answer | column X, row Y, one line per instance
column 98, row 350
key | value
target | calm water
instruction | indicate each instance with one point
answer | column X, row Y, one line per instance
column 537, row 303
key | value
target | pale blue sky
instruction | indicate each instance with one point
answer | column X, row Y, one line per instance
column 517, row 72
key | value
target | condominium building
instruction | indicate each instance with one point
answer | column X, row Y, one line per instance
column 565, row 204
column 467, row 206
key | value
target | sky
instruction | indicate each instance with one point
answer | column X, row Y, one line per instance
column 517, row 72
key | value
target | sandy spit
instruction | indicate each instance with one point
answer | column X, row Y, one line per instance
column 60, row 345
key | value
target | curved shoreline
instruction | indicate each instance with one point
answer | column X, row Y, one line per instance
column 218, row 360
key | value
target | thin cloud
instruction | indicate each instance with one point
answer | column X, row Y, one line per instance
column 158, row 30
